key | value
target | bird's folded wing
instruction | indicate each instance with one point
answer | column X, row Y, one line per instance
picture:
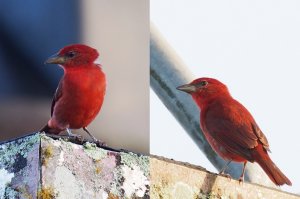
column 57, row 95
column 234, row 140
column 235, row 130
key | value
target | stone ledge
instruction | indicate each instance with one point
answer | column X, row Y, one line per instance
column 176, row 180
column 37, row 166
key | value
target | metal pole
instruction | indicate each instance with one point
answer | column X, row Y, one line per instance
column 167, row 71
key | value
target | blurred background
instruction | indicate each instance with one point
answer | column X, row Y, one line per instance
column 32, row 31
column 254, row 48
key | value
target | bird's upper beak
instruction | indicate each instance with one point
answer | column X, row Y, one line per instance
column 56, row 59
column 188, row 88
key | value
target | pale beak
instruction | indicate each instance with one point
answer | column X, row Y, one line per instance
column 188, row 88
column 55, row 59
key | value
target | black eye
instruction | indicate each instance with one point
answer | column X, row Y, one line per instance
column 71, row 54
column 203, row 83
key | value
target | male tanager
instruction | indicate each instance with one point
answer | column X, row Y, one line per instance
column 230, row 129
column 80, row 92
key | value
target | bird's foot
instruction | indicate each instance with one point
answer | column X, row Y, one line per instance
column 241, row 180
column 75, row 136
column 226, row 175
column 100, row 143
column 95, row 140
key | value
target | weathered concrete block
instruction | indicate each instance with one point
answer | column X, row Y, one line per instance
column 38, row 166
column 176, row 180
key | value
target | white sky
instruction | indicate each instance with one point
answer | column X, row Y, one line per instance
column 252, row 46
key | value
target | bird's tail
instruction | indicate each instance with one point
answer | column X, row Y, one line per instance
column 274, row 173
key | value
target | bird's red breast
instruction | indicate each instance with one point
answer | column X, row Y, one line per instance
column 83, row 94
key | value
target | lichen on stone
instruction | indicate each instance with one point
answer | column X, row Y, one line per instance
column 19, row 171
column 166, row 190
column 98, row 170
column 135, row 181
column 131, row 176
column 112, row 196
column 25, row 192
column 9, row 192
column 131, row 159
column 117, row 182
column 47, row 153
column 8, row 151
column 93, row 151
column 47, row 193
column 5, row 178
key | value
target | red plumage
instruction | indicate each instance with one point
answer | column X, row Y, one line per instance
column 230, row 128
column 80, row 93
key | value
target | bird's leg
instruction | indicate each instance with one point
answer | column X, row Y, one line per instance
column 241, row 179
column 70, row 134
column 101, row 143
column 222, row 172
column 87, row 131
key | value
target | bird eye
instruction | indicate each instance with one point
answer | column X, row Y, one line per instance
column 203, row 83
column 71, row 54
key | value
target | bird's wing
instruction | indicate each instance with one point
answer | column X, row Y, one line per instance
column 260, row 135
column 58, row 93
column 231, row 125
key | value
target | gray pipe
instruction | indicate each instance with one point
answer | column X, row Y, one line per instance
column 167, row 71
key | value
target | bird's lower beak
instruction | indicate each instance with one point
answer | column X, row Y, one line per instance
column 55, row 59
column 188, row 88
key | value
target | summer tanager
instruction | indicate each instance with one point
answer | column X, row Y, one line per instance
column 230, row 129
column 80, row 93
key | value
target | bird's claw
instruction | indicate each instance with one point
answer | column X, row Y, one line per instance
column 100, row 143
column 226, row 175
column 241, row 180
column 78, row 138
column 74, row 136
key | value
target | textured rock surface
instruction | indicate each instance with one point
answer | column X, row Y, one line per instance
column 75, row 171
column 38, row 166
column 19, row 168
column 176, row 180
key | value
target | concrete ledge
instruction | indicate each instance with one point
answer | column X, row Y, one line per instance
column 38, row 166
column 177, row 180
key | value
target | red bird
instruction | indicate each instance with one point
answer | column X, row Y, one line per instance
column 80, row 93
column 230, row 129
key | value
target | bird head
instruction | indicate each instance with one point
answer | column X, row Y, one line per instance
column 74, row 55
column 204, row 89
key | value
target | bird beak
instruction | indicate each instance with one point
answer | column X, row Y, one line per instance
column 55, row 59
column 188, row 88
